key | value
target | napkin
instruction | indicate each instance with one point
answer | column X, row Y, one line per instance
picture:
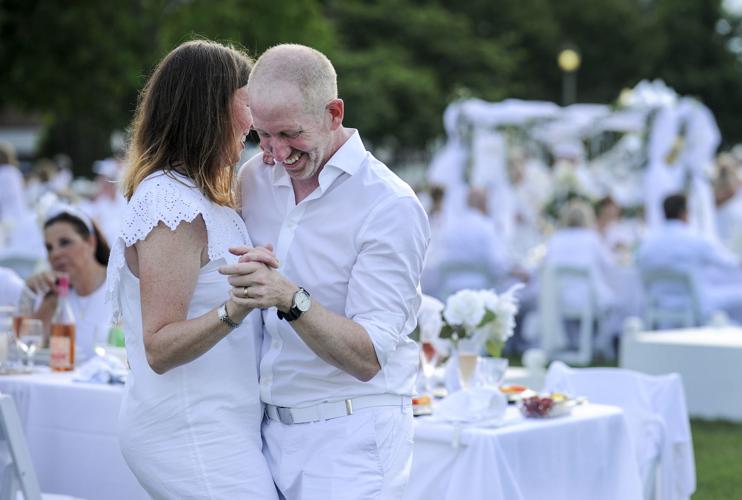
column 472, row 405
column 102, row 368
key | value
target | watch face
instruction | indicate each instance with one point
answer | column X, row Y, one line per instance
column 302, row 301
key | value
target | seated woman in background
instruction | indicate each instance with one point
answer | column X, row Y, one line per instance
column 76, row 248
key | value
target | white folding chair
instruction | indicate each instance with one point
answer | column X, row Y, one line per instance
column 554, row 311
column 455, row 276
column 17, row 476
column 655, row 411
column 672, row 299
column 22, row 265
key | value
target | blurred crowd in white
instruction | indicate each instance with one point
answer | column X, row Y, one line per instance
column 573, row 201
column 567, row 200
column 52, row 224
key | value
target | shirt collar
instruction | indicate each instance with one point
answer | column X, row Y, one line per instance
column 348, row 158
column 280, row 177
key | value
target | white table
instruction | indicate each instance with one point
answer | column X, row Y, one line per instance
column 708, row 360
column 71, row 432
column 586, row 455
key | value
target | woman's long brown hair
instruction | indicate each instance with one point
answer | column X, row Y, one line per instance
column 183, row 119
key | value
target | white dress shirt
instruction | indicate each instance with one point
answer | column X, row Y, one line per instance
column 674, row 245
column 470, row 241
column 357, row 244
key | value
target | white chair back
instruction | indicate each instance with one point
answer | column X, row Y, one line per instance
column 555, row 308
column 22, row 265
column 655, row 410
column 455, row 276
column 19, row 475
column 672, row 299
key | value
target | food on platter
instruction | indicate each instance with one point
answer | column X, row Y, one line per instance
column 552, row 405
column 512, row 389
column 422, row 405
column 515, row 392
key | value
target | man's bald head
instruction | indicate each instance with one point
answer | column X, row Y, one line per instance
column 283, row 69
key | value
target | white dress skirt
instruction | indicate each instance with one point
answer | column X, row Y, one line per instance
column 194, row 431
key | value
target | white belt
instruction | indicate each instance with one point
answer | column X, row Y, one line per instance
column 335, row 409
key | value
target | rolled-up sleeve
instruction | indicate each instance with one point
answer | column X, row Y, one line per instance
column 384, row 291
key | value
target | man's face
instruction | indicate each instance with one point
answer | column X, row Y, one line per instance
column 298, row 140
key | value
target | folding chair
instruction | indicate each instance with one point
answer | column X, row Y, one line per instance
column 23, row 266
column 17, row 476
column 453, row 274
column 672, row 299
column 656, row 414
column 554, row 311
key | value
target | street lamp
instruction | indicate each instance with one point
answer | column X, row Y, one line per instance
column 569, row 63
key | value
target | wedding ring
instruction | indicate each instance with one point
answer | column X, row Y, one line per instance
column 244, row 291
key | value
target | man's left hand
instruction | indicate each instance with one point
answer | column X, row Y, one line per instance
column 258, row 286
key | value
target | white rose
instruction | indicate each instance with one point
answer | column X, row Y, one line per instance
column 490, row 299
column 505, row 311
column 465, row 307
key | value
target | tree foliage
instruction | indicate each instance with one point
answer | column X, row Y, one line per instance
column 81, row 64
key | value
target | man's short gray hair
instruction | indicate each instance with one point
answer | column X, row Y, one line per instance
column 306, row 68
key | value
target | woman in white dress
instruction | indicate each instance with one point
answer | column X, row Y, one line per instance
column 190, row 421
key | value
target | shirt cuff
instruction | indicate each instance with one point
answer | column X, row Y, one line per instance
column 384, row 335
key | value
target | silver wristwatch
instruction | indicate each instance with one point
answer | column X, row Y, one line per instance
column 299, row 305
column 224, row 316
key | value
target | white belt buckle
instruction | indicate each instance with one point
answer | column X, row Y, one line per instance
column 284, row 415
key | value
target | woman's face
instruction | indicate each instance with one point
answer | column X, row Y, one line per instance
column 241, row 120
column 68, row 251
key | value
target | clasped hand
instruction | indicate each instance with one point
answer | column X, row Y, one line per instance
column 255, row 281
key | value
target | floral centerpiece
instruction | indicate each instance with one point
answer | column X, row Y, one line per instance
column 482, row 316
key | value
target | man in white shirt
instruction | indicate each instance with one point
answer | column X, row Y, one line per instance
column 337, row 367
column 673, row 245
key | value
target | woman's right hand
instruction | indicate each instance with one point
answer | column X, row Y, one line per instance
column 43, row 283
column 237, row 298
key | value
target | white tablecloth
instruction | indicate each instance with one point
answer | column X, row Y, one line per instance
column 708, row 360
column 586, row 455
column 71, row 432
column 71, row 429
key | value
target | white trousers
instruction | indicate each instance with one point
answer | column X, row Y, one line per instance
column 367, row 455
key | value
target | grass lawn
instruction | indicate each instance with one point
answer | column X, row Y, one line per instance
column 718, row 451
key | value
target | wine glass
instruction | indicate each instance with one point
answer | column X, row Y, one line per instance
column 30, row 338
column 491, row 371
column 469, row 349
column 26, row 306
column 429, row 358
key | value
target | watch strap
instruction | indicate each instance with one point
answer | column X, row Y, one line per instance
column 294, row 313
column 223, row 315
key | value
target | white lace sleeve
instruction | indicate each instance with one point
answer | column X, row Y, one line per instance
column 162, row 198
